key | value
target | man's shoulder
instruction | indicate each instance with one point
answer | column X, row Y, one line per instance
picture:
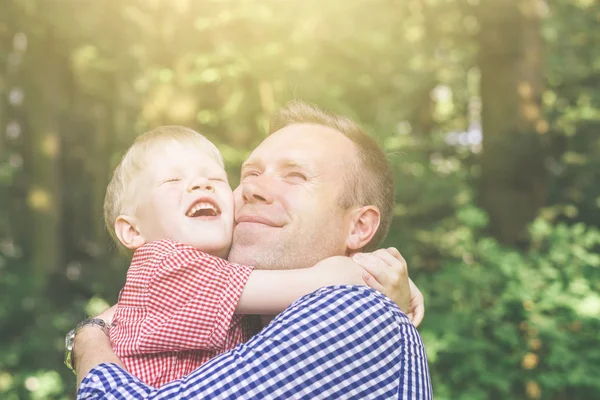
column 358, row 294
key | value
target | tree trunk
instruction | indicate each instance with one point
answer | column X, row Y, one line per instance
column 513, row 178
column 44, row 97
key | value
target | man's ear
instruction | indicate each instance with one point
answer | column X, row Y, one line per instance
column 127, row 231
column 365, row 222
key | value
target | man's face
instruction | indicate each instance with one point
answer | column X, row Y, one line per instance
column 287, row 209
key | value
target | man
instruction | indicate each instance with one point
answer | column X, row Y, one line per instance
column 317, row 187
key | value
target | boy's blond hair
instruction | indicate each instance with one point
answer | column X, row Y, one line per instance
column 120, row 192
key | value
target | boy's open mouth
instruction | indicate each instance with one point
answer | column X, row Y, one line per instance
column 203, row 208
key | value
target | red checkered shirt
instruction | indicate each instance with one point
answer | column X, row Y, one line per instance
column 176, row 311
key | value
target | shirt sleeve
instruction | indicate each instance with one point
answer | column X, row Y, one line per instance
column 109, row 381
column 190, row 301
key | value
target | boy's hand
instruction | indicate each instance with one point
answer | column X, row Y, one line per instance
column 387, row 272
column 416, row 310
column 337, row 270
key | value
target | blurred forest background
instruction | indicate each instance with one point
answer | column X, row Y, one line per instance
column 490, row 110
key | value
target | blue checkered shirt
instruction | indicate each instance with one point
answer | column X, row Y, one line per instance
column 340, row 342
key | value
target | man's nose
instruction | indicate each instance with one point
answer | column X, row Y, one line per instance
column 201, row 184
column 256, row 191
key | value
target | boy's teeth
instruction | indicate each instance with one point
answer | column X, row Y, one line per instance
column 202, row 206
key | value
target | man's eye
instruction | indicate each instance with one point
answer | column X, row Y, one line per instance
column 172, row 180
column 297, row 175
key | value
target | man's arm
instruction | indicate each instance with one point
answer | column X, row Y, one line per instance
column 266, row 292
column 90, row 349
column 338, row 342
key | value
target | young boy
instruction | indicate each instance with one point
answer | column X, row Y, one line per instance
column 169, row 201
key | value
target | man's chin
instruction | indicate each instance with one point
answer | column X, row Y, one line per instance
column 255, row 254
column 251, row 234
column 242, row 255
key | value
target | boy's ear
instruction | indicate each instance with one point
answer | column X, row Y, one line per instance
column 365, row 222
column 128, row 232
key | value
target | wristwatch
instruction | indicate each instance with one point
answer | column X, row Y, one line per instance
column 70, row 338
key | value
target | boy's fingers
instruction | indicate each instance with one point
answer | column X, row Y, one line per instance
column 417, row 304
column 372, row 282
column 418, row 314
column 394, row 252
column 385, row 256
column 374, row 265
column 397, row 268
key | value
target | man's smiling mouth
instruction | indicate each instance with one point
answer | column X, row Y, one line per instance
column 257, row 220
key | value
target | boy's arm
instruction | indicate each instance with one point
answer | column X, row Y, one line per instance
column 268, row 292
column 193, row 298
column 189, row 303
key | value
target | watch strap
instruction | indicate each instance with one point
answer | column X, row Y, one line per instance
column 70, row 338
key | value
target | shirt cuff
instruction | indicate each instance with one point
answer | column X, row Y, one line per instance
column 110, row 379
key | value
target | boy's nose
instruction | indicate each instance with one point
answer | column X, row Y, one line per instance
column 201, row 185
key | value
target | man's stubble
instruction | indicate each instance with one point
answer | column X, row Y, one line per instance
column 288, row 251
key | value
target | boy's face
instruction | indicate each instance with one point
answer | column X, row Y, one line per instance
column 184, row 195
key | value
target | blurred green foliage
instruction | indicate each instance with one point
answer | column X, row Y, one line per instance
column 80, row 79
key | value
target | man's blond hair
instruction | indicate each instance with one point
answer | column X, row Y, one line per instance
column 370, row 181
column 120, row 192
